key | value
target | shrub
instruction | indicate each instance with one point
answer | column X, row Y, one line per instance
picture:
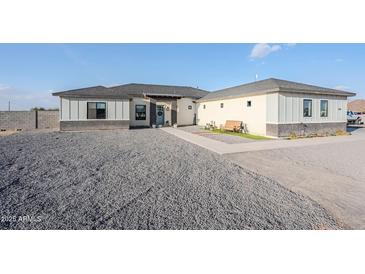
column 292, row 135
column 340, row 132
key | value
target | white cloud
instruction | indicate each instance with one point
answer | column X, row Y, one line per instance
column 4, row 87
column 342, row 87
column 261, row 50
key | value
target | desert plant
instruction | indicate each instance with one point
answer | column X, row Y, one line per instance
column 293, row 135
column 340, row 132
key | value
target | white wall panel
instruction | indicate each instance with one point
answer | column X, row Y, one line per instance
column 291, row 108
column 82, row 110
column 65, row 108
column 125, row 114
column 111, row 110
column 74, row 110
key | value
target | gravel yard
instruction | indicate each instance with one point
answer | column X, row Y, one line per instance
column 139, row 179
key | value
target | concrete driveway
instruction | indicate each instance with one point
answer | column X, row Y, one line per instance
column 332, row 174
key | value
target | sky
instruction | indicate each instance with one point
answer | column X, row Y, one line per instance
column 29, row 73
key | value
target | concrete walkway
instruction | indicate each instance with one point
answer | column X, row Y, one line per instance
column 223, row 148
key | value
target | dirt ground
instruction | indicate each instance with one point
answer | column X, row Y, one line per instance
column 331, row 174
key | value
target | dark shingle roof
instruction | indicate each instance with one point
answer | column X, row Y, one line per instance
column 93, row 92
column 130, row 90
column 271, row 85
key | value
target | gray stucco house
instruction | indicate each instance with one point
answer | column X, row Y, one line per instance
column 270, row 107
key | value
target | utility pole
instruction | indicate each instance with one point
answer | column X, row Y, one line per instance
column 9, row 106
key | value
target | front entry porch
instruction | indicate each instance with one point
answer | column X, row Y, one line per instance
column 163, row 111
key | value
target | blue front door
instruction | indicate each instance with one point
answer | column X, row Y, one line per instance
column 160, row 115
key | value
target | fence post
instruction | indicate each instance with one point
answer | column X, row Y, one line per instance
column 36, row 119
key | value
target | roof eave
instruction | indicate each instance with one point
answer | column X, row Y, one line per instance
column 329, row 92
column 94, row 96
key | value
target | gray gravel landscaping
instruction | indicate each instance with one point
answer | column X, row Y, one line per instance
column 138, row 179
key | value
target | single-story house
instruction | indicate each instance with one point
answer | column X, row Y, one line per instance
column 270, row 107
column 277, row 108
column 125, row 106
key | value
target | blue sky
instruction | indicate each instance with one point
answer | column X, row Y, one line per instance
column 29, row 73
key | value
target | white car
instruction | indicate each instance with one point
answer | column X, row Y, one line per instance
column 352, row 118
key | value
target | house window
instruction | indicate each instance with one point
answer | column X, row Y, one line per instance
column 222, row 105
column 140, row 112
column 96, row 110
column 324, row 108
column 307, row 108
column 204, row 106
column 190, row 107
column 248, row 104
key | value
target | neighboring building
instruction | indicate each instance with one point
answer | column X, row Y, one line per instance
column 269, row 107
column 277, row 108
column 125, row 106
column 357, row 106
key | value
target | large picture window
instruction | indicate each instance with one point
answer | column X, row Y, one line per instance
column 140, row 112
column 307, row 108
column 324, row 108
column 96, row 110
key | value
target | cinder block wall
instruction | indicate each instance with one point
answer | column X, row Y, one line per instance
column 48, row 119
column 29, row 120
column 13, row 120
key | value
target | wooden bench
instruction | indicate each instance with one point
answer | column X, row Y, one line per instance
column 232, row 125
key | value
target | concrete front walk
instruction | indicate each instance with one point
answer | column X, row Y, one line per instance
column 224, row 148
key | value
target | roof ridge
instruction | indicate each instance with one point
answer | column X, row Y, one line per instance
column 163, row 85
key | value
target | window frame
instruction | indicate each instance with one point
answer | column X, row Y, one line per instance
column 96, row 111
column 221, row 105
column 135, row 113
column 190, row 107
column 249, row 103
column 204, row 106
column 320, row 108
column 310, row 110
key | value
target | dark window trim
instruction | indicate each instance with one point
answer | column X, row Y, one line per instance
column 204, row 106
column 222, row 105
column 320, row 108
column 249, row 103
column 145, row 113
column 311, row 108
column 96, row 118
